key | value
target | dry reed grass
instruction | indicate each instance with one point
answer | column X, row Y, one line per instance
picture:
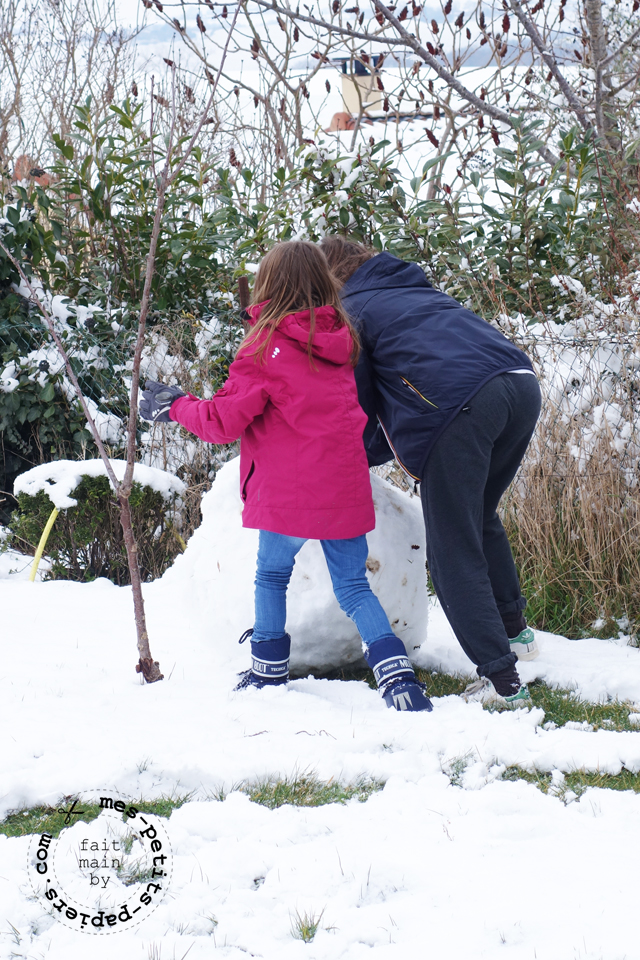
column 573, row 513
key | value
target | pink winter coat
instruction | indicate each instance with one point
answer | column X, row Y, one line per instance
column 303, row 467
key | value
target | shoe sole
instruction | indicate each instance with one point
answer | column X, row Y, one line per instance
column 498, row 701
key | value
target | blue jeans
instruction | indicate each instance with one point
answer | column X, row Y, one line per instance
column 346, row 561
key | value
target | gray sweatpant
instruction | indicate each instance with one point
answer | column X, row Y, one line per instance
column 470, row 561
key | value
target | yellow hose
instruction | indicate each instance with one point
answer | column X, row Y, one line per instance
column 42, row 544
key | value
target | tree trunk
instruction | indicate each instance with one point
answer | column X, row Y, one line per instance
column 604, row 123
column 147, row 666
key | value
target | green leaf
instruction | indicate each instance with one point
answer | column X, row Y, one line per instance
column 123, row 119
column 65, row 148
column 432, row 161
column 48, row 393
column 507, row 176
column 43, row 199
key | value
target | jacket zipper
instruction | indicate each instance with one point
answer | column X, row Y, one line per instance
column 402, row 466
column 243, row 495
column 415, row 390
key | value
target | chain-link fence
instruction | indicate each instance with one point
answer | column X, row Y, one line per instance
column 573, row 513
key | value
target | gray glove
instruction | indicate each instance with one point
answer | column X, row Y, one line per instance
column 156, row 401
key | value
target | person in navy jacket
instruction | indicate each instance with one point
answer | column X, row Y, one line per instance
column 455, row 403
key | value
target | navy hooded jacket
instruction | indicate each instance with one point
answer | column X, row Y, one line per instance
column 424, row 356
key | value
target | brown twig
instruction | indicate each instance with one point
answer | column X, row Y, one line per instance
column 551, row 63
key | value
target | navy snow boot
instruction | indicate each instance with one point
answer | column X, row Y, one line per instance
column 269, row 663
column 395, row 676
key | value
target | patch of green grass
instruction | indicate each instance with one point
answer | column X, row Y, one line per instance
column 135, row 872
column 560, row 706
column 455, row 767
column 577, row 781
column 348, row 673
column 563, row 598
column 304, row 926
column 303, row 790
column 307, row 790
column 43, row 819
column 438, row 684
column 564, row 706
column 443, row 684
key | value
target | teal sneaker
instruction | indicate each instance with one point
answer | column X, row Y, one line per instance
column 524, row 645
column 520, row 699
column 483, row 691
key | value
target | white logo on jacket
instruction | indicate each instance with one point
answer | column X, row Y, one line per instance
column 275, row 352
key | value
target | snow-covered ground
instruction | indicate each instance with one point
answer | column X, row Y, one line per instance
column 482, row 869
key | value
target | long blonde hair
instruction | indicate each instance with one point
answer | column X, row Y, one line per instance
column 295, row 276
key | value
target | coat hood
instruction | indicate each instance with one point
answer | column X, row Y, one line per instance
column 303, row 467
column 384, row 272
column 331, row 339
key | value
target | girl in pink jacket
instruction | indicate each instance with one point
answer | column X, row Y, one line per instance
column 291, row 399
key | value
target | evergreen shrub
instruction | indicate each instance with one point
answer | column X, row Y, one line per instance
column 86, row 541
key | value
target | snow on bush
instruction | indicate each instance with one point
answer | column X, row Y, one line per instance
column 60, row 478
column 589, row 369
column 215, row 575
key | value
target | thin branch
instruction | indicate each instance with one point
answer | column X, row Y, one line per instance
column 627, row 83
column 451, row 81
column 331, row 27
column 613, row 56
column 442, row 72
column 205, row 112
column 550, row 61
column 153, row 153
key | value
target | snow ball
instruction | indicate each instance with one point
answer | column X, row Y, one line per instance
column 216, row 575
